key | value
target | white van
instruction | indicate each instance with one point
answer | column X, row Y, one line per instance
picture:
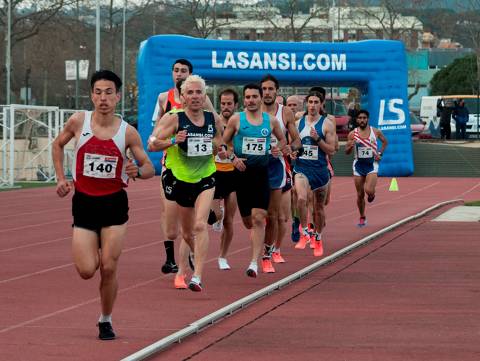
column 428, row 112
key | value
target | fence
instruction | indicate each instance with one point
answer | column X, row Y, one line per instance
column 27, row 134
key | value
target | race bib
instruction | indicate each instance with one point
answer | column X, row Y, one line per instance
column 310, row 152
column 254, row 146
column 199, row 147
column 365, row 152
column 99, row 166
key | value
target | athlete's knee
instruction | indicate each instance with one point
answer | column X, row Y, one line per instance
column 108, row 268
column 228, row 223
column 199, row 227
column 302, row 202
column 86, row 273
column 258, row 219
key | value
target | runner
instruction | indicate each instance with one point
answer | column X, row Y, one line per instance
column 250, row 131
column 279, row 177
column 295, row 104
column 310, row 169
column 170, row 101
column 100, row 171
column 192, row 167
column 363, row 140
column 225, row 183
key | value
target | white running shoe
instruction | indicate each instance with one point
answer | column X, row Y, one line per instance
column 218, row 225
column 223, row 264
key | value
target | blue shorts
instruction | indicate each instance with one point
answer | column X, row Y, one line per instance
column 362, row 169
column 317, row 178
column 277, row 173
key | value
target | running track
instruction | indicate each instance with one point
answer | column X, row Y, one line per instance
column 48, row 313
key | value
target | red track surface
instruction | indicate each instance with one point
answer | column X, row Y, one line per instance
column 411, row 298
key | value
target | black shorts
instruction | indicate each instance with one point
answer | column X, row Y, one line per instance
column 225, row 184
column 97, row 212
column 253, row 189
column 186, row 194
column 168, row 184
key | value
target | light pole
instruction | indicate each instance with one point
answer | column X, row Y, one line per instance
column 77, row 78
column 123, row 58
column 97, row 38
column 8, row 51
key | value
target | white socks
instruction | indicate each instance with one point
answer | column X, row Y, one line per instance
column 105, row 318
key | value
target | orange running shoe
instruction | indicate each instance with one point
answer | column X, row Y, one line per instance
column 277, row 257
column 304, row 239
column 318, row 250
column 179, row 282
column 267, row 266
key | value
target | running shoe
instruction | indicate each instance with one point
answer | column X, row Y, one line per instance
column 304, row 239
column 295, row 230
column 267, row 266
column 218, row 225
column 277, row 257
column 252, row 270
column 223, row 263
column 362, row 222
column 195, row 285
column 169, row 267
column 179, row 282
column 191, row 261
column 105, row 331
column 318, row 250
column 370, row 198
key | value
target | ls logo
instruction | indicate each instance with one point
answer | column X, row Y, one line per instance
column 394, row 107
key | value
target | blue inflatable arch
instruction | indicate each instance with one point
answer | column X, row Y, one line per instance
column 377, row 67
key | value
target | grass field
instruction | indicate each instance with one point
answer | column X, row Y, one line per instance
column 23, row 185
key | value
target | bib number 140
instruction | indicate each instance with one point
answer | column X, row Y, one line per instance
column 99, row 166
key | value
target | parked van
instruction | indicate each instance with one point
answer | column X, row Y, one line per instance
column 429, row 113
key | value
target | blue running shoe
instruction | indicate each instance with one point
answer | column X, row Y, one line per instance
column 295, row 230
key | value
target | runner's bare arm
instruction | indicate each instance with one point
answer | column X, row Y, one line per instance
column 334, row 122
column 162, row 98
column 328, row 145
column 162, row 136
column 382, row 137
column 295, row 141
column 70, row 131
column 218, row 139
column 144, row 167
column 350, row 143
column 277, row 132
column 231, row 129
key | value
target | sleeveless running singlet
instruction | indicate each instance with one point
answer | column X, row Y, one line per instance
column 98, row 166
column 253, row 141
column 192, row 160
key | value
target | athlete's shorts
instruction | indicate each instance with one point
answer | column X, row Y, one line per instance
column 225, row 183
column 317, row 178
column 362, row 169
column 186, row 194
column 96, row 212
column 253, row 189
column 168, row 184
column 276, row 173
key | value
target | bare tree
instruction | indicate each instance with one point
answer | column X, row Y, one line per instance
column 289, row 20
column 28, row 16
column 385, row 19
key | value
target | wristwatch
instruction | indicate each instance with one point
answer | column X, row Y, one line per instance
column 232, row 156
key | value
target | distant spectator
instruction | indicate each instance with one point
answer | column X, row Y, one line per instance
column 444, row 111
column 460, row 115
column 353, row 109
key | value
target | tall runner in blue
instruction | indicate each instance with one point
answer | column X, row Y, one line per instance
column 317, row 134
column 363, row 140
column 250, row 132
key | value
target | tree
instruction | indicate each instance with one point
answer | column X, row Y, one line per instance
column 289, row 20
column 456, row 78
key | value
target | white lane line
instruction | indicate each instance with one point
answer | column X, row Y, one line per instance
column 87, row 302
column 196, row 326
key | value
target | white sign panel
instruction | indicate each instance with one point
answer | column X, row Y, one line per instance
column 71, row 69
